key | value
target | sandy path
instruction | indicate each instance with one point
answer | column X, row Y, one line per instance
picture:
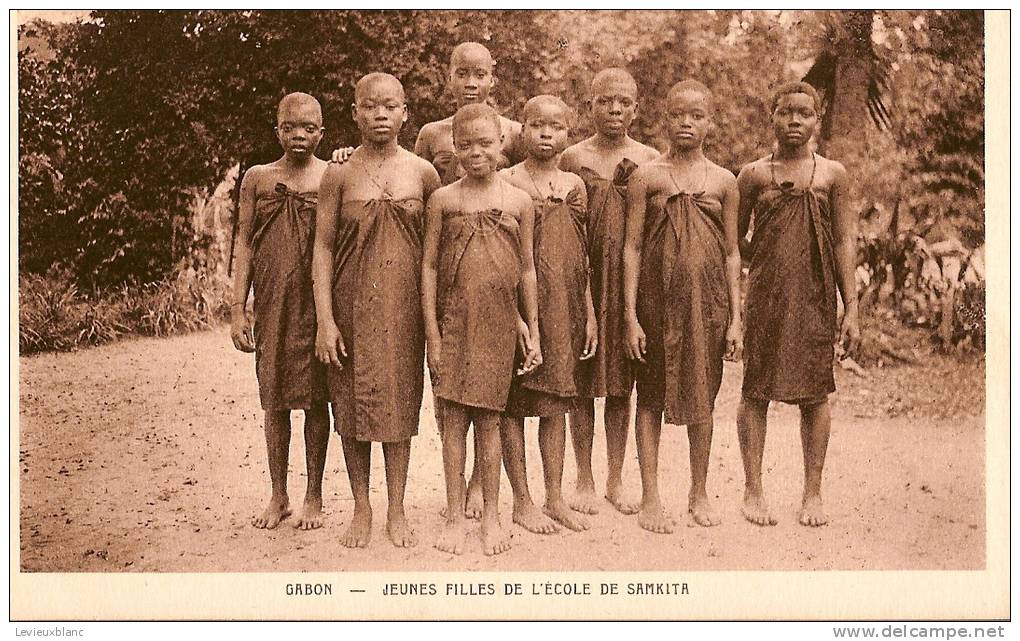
column 148, row 455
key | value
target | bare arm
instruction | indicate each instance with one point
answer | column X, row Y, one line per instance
column 529, row 280
column 731, row 197
column 329, row 345
column 844, row 219
column 637, row 193
column 421, row 144
column 748, row 189
column 240, row 326
column 430, row 256
column 430, row 181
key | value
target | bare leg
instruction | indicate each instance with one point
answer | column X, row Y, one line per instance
column 751, row 426
column 582, row 435
column 652, row 516
column 453, row 421
column 525, row 513
column 278, row 449
column 552, row 444
column 316, row 442
column 488, row 456
column 473, row 504
column 358, row 455
column 815, row 423
column 397, row 456
column 700, row 437
column 617, row 421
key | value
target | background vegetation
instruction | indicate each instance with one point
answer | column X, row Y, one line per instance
column 129, row 122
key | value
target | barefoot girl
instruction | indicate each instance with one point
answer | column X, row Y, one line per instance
column 366, row 268
column 681, row 287
column 605, row 162
column 477, row 263
column 566, row 321
column 275, row 227
column 802, row 252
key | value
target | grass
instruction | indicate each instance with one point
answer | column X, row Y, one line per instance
column 54, row 315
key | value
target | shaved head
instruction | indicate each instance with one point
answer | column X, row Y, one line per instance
column 796, row 87
column 534, row 105
column 471, row 52
column 297, row 101
column 692, row 86
column 613, row 77
column 376, row 80
column 472, row 112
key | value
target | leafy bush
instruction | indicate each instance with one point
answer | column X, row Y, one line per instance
column 54, row 315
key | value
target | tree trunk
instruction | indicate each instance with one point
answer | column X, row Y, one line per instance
column 842, row 136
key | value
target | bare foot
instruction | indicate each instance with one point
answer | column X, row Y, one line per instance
column 276, row 511
column 400, row 531
column 531, row 518
column 311, row 514
column 614, row 494
column 494, row 538
column 561, row 513
column 756, row 510
column 585, row 501
column 359, row 531
column 451, row 539
column 701, row 510
column 473, row 506
column 654, row 519
column 812, row 513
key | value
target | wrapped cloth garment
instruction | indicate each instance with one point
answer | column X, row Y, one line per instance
column 683, row 307
column 377, row 395
column 290, row 376
column 790, row 326
column 478, row 271
column 609, row 372
column 562, row 274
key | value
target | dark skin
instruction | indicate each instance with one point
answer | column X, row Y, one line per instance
column 478, row 151
column 379, row 168
column 795, row 120
column 688, row 120
column 612, row 108
column 299, row 130
column 545, row 134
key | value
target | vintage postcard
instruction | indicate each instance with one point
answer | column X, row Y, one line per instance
column 685, row 315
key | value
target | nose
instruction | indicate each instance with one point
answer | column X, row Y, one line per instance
column 616, row 107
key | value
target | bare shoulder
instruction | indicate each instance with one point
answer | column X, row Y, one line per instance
column 643, row 153
column 512, row 175
column 573, row 180
column 833, row 168
column 441, row 197
column 754, row 173
column 721, row 174
column 646, row 172
column 517, row 197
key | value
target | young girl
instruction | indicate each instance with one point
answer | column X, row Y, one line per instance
column 605, row 162
column 566, row 320
column 681, row 288
column 477, row 262
column 275, row 228
column 802, row 251
column 367, row 267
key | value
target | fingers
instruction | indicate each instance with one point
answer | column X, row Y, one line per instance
column 340, row 347
column 591, row 345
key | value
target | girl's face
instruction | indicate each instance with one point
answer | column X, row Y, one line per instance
column 545, row 131
column 380, row 112
column 471, row 78
column 794, row 119
column 688, row 119
column 478, row 146
column 299, row 129
column 613, row 107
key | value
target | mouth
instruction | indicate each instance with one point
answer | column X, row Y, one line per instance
column 469, row 96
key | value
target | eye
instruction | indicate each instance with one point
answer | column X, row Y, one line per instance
column 311, row 129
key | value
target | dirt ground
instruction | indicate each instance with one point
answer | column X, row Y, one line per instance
column 148, row 456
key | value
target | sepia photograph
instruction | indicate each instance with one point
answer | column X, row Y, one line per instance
column 412, row 305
